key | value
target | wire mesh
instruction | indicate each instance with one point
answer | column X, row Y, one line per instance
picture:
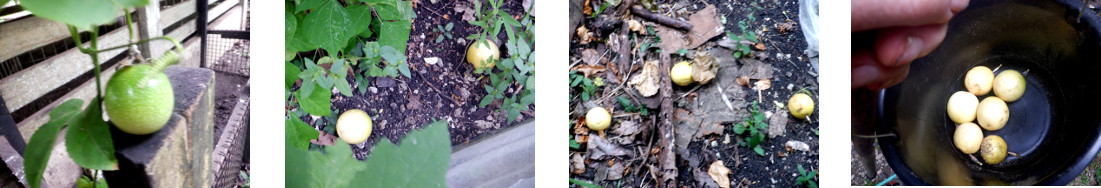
column 228, row 51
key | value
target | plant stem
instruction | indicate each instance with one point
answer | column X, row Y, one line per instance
column 91, row 51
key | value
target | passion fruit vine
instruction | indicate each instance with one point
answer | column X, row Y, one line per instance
column 138, row 98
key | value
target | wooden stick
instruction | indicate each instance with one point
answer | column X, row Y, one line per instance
column 661, row 19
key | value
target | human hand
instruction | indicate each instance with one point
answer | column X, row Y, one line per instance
column 889, row 34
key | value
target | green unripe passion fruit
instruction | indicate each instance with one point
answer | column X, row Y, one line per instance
column 979, row 80
column 801, row 105
column 598, row 119
column 478, row 52
column 1009, row 85
column 993, row 149
column 354, row 126
column 961, row 107
column 967, row 137
column 681, row 73
column 139, row 99
column 993, row 113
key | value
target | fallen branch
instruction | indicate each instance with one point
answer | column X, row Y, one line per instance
column 667, row 159
column 661, row 19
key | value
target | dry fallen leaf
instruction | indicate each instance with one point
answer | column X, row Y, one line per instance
column 743, row 81
column 719, row 173
column 589, row 70
column 704, row 67
column 635, row 25
column 588, row 10
column 584, row 35
column 788, row 25
column 759, row 46
column 590, row 57
column 577, row 164
column 704, row 26
column 646, row 81
column 763, row 84
column 324, row 139
column 466, row 10
column 671, row 39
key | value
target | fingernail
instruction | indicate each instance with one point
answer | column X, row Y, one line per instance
column 959, row 5
column 913, row 48
column 863, row 75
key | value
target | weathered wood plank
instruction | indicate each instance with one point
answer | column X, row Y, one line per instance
column 27, row 34
column 176, row 13
column 84, row 92
column 27, row 85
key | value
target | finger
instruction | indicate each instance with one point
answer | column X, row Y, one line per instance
column 898, row 46
column 870, row 14
column 865, row 70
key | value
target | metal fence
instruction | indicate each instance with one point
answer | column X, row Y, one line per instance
column 228, row 51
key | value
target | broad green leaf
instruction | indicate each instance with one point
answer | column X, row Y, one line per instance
column 371, row 50
column 334, row 168
column 308, row 4
column 395, row 34
column 42, row 142
column 420, row 160
column 317, row 103
column 574, row 144
column 395, row 10
column 759, row 151
column 360, row 15
column 83, row 14
column 298, row 133
column 88, row 139
column 392, row 55
column 328, row 27
column 290, row 74
column 290, row 24
column 300, row 42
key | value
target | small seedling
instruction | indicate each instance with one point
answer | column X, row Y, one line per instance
column 805, row 177
column 443, row 31
column 756, row 126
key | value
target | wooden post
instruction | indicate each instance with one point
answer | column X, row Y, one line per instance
column 148, row 24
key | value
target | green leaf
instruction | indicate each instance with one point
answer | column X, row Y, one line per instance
column 360, row 16
column 317, row 103
column 290, row 25
column 759, row 151
column 574, row 144
column 343, row 86
column 682, row 51
column 801, row 170
column 584, row 184
column 88, row 139
column 339, row 69
column 486, row 100
column 290, row 74
column 308, row 4
column 42, row 142
column 334, row 168
column 328, row 27
column 397, row 10
column 404, row 69
column 811, row 184
column 371, row 50
column 739, row 128
column 420, row 160
column 298, row 133
column 83, row 14
column 395, row 34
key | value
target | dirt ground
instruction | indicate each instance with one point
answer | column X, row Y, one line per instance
column 791, row 71
column 448, row 90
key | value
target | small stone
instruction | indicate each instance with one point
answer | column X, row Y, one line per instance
column 373, row 89
column 432, row 60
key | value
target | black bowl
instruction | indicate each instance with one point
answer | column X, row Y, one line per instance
column 1054, row 127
